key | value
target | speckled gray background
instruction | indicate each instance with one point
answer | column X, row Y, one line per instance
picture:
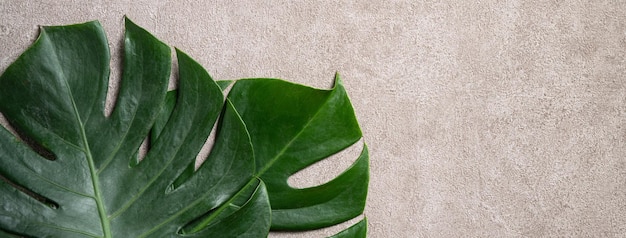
column 483, row 118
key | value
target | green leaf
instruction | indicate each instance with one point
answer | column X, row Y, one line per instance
column 358, row 230
column 74, row 172
column 292, row 128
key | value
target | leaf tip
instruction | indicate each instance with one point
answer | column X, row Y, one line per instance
column 179, row 51
column 338, row 79
column 128, row 22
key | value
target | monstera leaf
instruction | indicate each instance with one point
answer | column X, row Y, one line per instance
column 73, row 171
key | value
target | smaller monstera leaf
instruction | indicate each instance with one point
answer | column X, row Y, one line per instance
column 292, row 127
column 83, row 178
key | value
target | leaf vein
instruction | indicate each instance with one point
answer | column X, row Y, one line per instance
column 295, row 138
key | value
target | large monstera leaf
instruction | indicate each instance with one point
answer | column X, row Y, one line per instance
column 75, row 172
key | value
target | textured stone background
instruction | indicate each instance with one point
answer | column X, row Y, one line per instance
column 483, row 118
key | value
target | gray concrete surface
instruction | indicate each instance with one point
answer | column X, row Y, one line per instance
column 483, row 118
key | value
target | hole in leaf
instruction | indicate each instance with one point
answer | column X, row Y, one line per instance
column 4, row 122
column 208, row 144
column 42, row 151
column 173, row 82
column 115, row 77
column 143, row 149
column 141, row 152
column 36, row 147
column 327, row 169
column 200, row 158
column 42, row 199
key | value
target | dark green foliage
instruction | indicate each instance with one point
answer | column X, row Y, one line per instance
column 78, row 175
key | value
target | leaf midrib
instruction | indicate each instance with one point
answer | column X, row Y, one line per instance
column 288, row 145
column 106, row 229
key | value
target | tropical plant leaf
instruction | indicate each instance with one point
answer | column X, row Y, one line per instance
column 357, row 230
column 75, row 172
column 292, row 128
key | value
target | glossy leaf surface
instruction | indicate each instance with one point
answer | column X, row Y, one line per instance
column 292, row 128
column 74, row 172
